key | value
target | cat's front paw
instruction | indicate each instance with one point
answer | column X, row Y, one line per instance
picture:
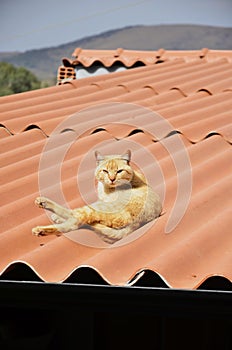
column 45, row 231
column 38, row 231
column 41, row 202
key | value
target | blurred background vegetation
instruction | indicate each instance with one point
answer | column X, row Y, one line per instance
column 16, row 79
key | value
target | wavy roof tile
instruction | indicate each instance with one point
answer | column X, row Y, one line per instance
column 176, row 118
column 131, row 57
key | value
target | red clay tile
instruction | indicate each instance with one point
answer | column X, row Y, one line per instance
column 4, row 132
column 130, row 57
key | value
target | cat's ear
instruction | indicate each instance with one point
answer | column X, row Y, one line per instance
column 127, row 156
column 99, row 157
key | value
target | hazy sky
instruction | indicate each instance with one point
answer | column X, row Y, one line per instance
column 31, row 24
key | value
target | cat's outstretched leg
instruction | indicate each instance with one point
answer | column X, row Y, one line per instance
column 69, row 225
column 109, row 234
column 57, row 219
column 63, row 218
column 48, row 204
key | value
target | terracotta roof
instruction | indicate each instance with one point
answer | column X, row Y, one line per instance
column 131, row 57
column 176, row 118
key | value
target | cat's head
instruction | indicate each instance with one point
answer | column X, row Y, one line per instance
column 114, row 170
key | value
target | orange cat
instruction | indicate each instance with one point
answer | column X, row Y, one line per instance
column 125, row 203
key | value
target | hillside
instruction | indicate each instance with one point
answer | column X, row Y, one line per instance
column 44, row 62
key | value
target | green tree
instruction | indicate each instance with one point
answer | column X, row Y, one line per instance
column 16, row 79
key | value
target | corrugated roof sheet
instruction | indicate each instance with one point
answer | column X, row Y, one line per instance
column 176, row 118
column 131, row 57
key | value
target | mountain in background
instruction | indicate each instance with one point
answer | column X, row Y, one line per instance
column 45, row 62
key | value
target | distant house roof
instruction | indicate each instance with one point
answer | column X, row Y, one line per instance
column 176, row 118
column 97, row 62
column 131, row 57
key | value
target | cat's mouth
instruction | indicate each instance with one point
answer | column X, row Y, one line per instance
column 113, row 184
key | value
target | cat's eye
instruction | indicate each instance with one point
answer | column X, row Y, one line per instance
column 119, row 171
column 105, row 171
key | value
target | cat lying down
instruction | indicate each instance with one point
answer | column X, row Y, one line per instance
column 125, row 203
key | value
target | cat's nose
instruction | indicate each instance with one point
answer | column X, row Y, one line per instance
column 112, row 178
